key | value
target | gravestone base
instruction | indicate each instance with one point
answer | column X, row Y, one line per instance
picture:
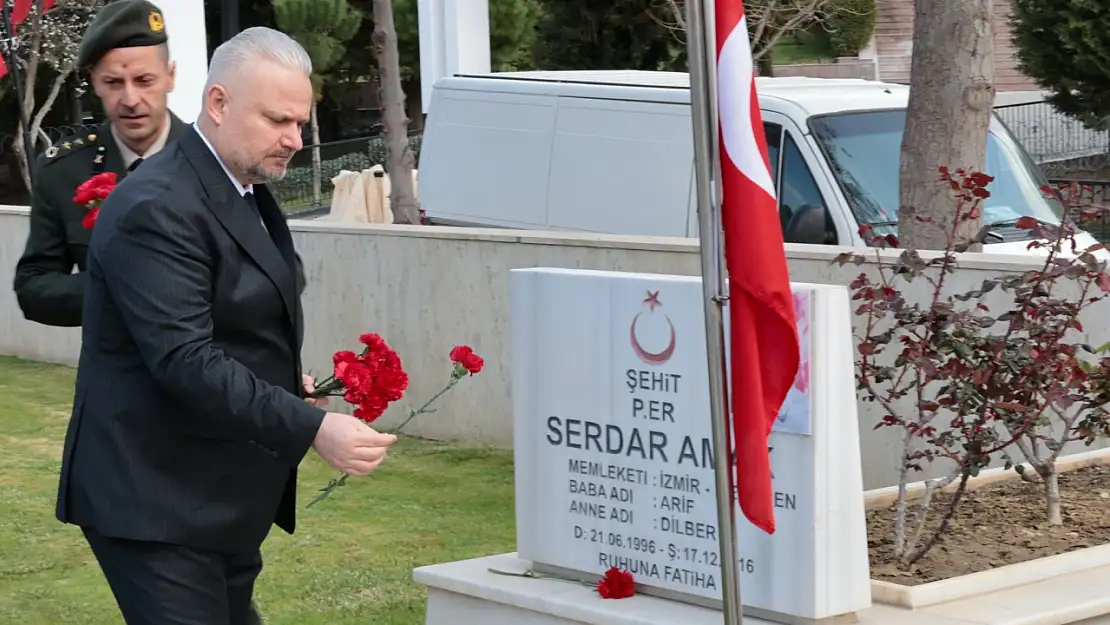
column 468, row 593
column 769, row 616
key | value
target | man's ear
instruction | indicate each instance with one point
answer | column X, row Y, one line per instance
column 215, row 103
column 172, row 75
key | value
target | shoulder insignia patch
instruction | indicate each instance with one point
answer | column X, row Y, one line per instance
column 71, row 145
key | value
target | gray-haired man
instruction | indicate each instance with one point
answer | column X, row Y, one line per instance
column 192, row 309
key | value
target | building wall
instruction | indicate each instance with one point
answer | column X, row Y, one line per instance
column 894, row 45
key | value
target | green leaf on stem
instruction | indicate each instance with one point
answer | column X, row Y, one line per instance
column 326, row 491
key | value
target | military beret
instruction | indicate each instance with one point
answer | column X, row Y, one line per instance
column 121, row 24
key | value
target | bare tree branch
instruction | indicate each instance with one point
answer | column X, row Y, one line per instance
column 798, row 20
column 51, row 40
column 768, row 20
column 55, row 89
column 33, row 64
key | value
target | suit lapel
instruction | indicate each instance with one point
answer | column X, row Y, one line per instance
column 233, row 212
column 278, row 229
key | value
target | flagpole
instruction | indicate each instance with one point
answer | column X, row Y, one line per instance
column 701, row 56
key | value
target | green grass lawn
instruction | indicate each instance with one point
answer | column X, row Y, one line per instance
column 350, row 561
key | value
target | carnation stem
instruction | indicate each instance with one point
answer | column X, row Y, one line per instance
column 424, row 408
column 327, row 490
column 328, row 387
column 335, row 483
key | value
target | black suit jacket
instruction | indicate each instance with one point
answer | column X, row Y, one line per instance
column 188, row 420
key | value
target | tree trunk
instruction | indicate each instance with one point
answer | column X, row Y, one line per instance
column 1052, row 496
column 399, row 159
column 314, row 123
column 951, row 99
column 766, row 65
column 903, row 483
column 23, row 155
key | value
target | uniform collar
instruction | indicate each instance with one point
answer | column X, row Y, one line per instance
column 129, row 156
column 243, row 191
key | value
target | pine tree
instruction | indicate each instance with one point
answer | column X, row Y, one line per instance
column 1064, row 45
column 322, row 27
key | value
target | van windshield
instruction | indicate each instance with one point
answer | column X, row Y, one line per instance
column 864, row 149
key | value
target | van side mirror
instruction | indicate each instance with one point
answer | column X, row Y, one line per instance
column 809, row 224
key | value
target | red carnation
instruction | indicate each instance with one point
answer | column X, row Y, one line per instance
column 465, row 357
column 89, row 220
column 91, row 193
column 371, row 380
column 616, row 584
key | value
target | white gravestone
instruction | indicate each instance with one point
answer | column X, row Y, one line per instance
column 614, row 455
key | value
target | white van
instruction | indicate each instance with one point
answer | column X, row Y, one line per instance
column 612, row 152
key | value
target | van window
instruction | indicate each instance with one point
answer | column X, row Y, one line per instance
column 797, row 191
column 774, row 143
column 863, row 151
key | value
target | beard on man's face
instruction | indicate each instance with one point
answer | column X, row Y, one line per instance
column 265, row 170
column 269, row 169
column 266, row 174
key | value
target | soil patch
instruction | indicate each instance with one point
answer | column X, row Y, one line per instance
column 999, row 525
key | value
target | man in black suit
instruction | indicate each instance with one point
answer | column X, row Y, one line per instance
column 189, row 417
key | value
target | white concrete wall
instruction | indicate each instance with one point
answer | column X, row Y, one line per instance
column 427, row 289
column 454, row 39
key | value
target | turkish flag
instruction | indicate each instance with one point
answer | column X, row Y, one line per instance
column 23, row 8
column 764, row 350
column 19, row 15
column 20, row 11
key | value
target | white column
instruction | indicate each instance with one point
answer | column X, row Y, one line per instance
column 454, row 39
column 189, row 49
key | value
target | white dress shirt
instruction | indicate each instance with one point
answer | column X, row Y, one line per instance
column 129, row 155
column 243, row 190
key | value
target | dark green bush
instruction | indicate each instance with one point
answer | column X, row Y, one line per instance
column 850, row 24
column 1064, row 45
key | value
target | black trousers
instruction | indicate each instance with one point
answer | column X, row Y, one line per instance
column 162, row 584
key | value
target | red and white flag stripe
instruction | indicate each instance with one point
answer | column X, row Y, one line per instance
column 763, row 343
column 20, row 10
column 742, row 136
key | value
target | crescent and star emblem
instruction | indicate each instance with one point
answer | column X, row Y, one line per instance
column 651, row 358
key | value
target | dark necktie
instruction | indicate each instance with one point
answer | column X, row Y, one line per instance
column 135, row 164
column 253, row 203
